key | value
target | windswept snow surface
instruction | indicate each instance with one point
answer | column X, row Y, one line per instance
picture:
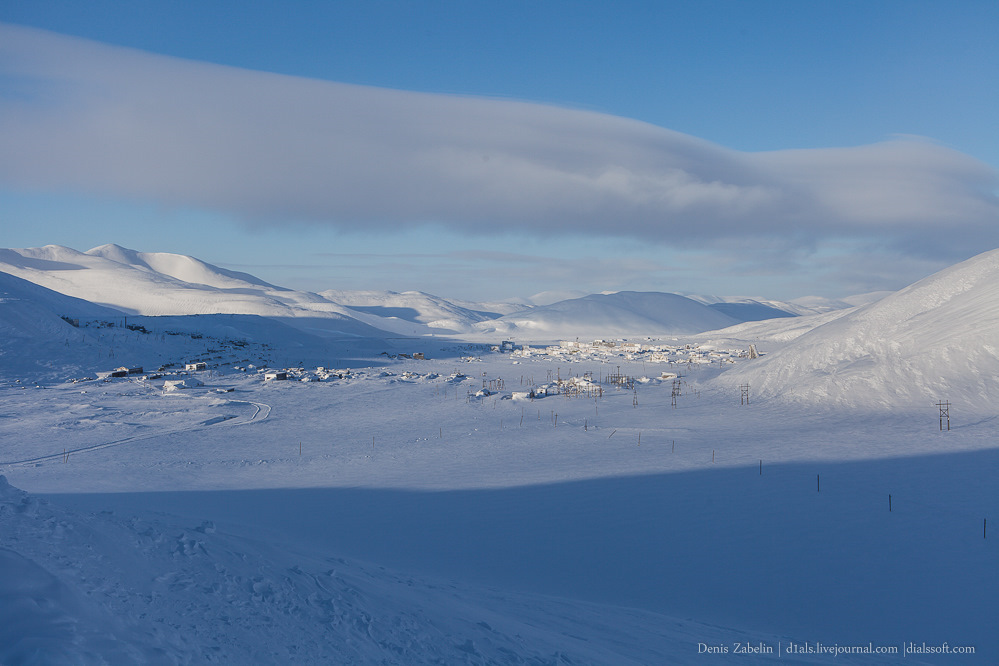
column 109, row 588
column 937, row 339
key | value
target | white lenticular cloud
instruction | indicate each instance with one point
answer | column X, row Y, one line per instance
column 85, row 117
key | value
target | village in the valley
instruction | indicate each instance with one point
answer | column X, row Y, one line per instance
column 668, row 361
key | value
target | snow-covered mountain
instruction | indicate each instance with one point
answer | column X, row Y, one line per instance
column 380, row 308
column 621, row 314
column 759, row 309
column 156, row 283
column 38, row 342
column 35, row 339
column 164, row 284
column 937, row 339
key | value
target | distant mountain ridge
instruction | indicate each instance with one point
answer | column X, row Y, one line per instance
column 624, row 313
column 160, row 284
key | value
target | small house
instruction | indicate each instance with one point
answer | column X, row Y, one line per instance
column 419, row 356
column 197, row 365
column 275, row 375
column 171, row 385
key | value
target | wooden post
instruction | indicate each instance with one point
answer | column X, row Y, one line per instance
column 761, row 466
column 889, row 502
column 817, row 486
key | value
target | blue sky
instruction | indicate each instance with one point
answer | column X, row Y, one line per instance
column 774, row 149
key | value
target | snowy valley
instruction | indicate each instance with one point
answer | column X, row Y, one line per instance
column 200, row 467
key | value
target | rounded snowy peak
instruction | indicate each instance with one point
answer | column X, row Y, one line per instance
column 178, row 266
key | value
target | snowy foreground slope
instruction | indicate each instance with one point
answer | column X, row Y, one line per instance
column 109, row 589
column 937, row 339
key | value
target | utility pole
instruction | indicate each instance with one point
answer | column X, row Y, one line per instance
column 944, row 413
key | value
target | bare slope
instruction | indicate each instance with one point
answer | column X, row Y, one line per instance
column 936, row 339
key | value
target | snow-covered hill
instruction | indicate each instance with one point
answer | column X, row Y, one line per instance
column 38, row 342
column 758, row 309
column 777, row 331
column 380, row 308
column 621, row 314
column 154, row 283
column 34, row 338
column 937, row 339
column 160, row 284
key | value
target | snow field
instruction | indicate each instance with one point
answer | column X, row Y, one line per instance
column 580, row 511
column 103, row 588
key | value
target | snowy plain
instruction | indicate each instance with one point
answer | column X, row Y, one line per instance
column 398, row 513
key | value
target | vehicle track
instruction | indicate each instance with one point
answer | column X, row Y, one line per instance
column 261, row 412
